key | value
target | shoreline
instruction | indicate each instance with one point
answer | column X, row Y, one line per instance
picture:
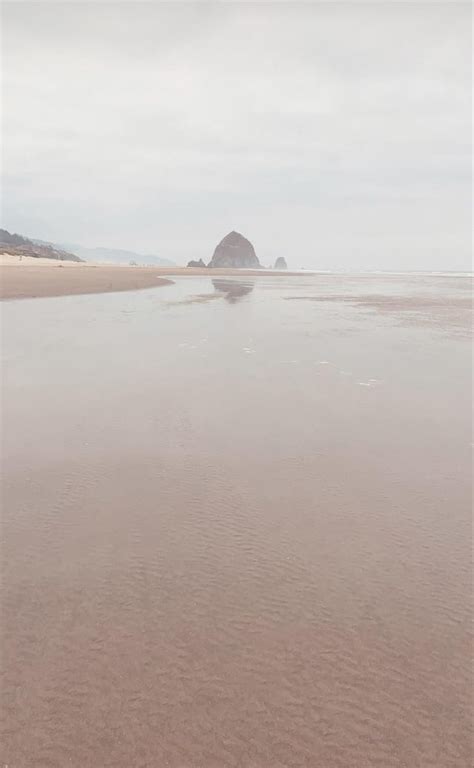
column 36, row 278
column 42, row 278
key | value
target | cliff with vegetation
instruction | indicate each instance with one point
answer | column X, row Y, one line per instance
column 17, row 245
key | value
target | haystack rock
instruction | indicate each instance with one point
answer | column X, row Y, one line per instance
column 280, row 263
column 199, row 264
column 235, row 251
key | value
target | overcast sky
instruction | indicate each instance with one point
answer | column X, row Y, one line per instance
column 334, row 134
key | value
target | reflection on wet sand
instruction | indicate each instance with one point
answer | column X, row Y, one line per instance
column 434, row 310
column 230, row 290
column 234, row 290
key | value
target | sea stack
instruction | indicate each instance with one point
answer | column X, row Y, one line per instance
column 280, row 263
column 236, row 252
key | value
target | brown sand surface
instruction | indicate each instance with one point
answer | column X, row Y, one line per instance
column 18, row 282
column 237, row 533
column 31, row 278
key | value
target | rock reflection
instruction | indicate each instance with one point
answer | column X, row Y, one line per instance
column 234, row 290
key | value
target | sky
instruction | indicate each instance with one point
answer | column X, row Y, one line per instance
column 335, row 134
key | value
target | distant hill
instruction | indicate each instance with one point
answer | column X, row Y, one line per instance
column 18, row 245
column 116, row 256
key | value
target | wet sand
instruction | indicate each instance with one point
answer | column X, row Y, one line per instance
column 237, row 533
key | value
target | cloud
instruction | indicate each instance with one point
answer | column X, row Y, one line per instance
column 337, row 135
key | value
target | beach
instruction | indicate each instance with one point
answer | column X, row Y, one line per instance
column 32, row 278
column 236, row 522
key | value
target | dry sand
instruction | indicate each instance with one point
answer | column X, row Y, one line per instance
column 30, row 278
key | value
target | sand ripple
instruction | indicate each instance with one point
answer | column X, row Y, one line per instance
column 263, row 567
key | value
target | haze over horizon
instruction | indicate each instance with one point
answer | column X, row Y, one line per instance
column 336, row 135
